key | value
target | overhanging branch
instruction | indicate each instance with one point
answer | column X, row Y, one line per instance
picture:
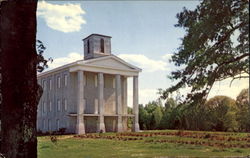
column 238, row 77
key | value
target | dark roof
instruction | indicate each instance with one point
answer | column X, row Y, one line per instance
column 95, row 34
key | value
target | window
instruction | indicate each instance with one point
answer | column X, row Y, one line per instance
column 57, row 124
column 96, row 106
column 50, row 106
column 44, row 85
column 58, row 82
column 65, row 80
column 50, row 84
column 102, row 45
column 49, row 125
column 58, row 105
column 88, row 47
column 44, row 126
column 65, row 105
column 44, row 106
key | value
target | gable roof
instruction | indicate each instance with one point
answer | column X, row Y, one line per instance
column 107, row 64
column 111, row 61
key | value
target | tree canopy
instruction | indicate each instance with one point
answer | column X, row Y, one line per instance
column 219, row 113
column 243, row 114
column 215, row 47
column 222, row 113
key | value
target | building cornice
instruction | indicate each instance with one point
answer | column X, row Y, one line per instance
column 85, row 65
column 96, row 35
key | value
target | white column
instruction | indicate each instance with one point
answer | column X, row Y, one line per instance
column 118, row 100
column 125, row 102
column 125, row 94
column 101, row 125
column 80, row 129
column 136, row 127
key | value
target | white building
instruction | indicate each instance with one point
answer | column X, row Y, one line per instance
column 89, row 95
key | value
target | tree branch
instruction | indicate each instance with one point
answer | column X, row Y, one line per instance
column 235, row 59
column 238, row 77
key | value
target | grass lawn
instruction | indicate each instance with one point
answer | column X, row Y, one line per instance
column 147, row 144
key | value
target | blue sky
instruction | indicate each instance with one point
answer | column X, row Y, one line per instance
column 143, row 34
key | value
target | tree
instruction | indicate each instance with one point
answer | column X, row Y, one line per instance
column 175, row 118
column 215, row 47
column 19, row 88
column 150, row 108
column 130, row 120
column 222, row 112
column 243, row 98
column 170, row 103
column 143, row 116
column 243, row 114
column 157, row 115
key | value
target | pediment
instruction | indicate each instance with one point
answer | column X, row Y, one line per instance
column 111, row 62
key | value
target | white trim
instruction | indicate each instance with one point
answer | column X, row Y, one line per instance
column 60, row 68
column 105, row 70
column 86, row 64
column 112, row 57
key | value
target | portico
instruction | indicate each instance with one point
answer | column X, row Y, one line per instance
column 120, row 101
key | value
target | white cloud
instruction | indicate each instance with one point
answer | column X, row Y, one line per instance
column 72, row 57
column 144, row 62
column 167, row 57
column 224, row 88
column 145, row 95
column 65, row 18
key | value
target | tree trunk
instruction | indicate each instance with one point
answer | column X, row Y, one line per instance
column 19, row 83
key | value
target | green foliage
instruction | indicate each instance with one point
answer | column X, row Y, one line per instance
column 157, row 115
column 170, row 103
column 143, row 116
column 130, row 120
column 215, row 47
column 242, row 99
column 150, row 116
column 220, row 113
column 243, row 113
column 42, row 63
